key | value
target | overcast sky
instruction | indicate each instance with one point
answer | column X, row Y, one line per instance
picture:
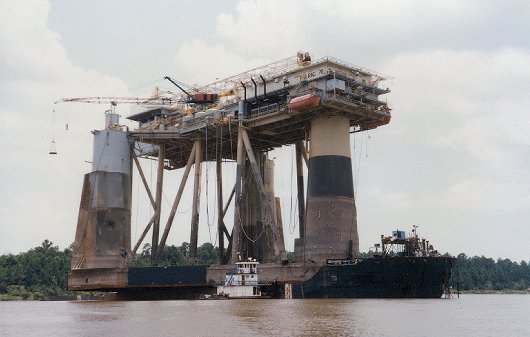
column 454, row 160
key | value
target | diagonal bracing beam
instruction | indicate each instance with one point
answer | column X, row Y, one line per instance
column 141, row 172
column 142, row 237
column 253, row 163
column 176, row 202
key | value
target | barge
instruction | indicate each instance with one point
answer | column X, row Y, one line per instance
column 401, row 267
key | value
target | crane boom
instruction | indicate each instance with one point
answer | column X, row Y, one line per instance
column 122, row 100
column 177, row 85
column 199, row 97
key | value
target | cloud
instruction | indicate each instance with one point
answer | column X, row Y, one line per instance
column 454, row 156
column 478, row 98
column 198, row 63
column 258, row 30
column 460, row 130
column 40, row 193
column 372, row 31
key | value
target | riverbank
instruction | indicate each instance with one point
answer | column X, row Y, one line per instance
column 98, row 296
column 62, row 297
column 496, row 292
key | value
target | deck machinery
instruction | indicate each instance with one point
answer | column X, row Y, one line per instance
column 315, row 105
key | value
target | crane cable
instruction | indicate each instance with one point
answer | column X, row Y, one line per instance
column 357, row 161
column 207, row 185
column 241, row 221
column 137, row 208
column 231, row 146
column 66, row 119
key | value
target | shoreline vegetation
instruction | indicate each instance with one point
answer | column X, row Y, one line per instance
column 495, row 292
column 41, row 273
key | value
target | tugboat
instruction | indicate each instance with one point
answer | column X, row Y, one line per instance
column 241, row 282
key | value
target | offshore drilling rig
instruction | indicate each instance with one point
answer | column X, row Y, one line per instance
column 314, row 105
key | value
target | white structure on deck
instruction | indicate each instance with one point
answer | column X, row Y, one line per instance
column 243, row 283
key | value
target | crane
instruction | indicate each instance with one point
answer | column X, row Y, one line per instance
column 170, row 99
column 155, row 100
column 197, row 98
column 123, row 100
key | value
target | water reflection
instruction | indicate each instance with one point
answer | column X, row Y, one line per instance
column 96, row 311
column 489, row 315
column 300, row 317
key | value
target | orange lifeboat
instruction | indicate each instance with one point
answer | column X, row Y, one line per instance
column 304, row 102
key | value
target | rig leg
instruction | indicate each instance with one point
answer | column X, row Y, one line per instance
column 103, row 236
column 331, row 222
column 195, row 206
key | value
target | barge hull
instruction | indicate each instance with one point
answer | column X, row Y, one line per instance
column 386, row 277
column 378, row 277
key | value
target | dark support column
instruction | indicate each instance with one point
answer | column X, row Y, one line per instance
column 228, row 249
column 195, row 206
column 158, row 201
column 220, row 224
column 300, row 188
column 237, row 203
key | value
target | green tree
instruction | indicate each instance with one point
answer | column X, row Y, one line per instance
column 41, row 271
column 143, row 259
column 172, row 256
column 485, row 274
column 207, row 254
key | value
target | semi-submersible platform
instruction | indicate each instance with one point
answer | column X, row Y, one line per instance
column 315, row 105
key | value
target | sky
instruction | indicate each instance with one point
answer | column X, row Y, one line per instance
column 454, row 159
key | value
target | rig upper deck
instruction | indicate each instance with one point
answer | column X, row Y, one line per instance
column 275, row 103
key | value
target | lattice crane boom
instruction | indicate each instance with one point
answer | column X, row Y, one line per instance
column 123, row 100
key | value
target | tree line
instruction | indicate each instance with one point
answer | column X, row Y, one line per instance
column 43, row 271
column 485, row 274
column 39, row 272
column 207, row 255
